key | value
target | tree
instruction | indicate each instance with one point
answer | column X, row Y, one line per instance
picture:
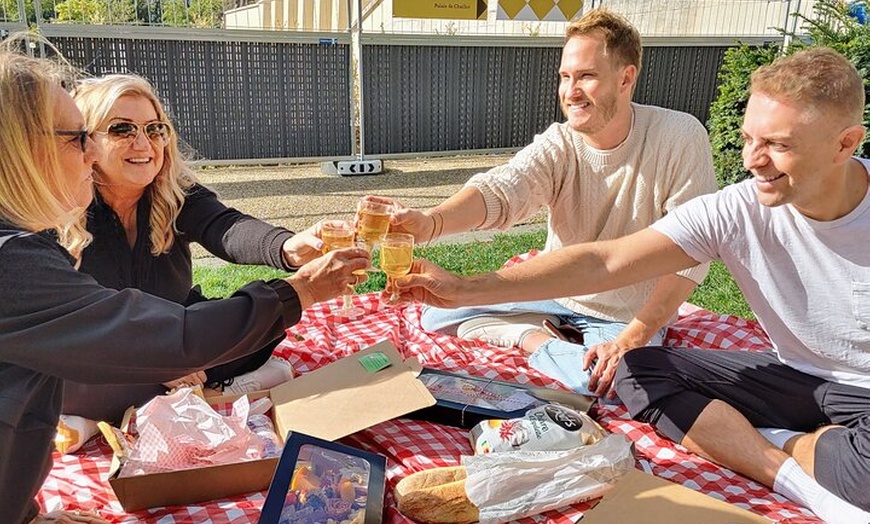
column 175, row 13
column 206, row 13
column 96, row 11
column 833, row 24
column 9, row 11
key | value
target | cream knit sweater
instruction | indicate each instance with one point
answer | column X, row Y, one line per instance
column 598, row 195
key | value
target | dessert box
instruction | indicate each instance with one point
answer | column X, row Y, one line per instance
column 464, row 400
column 341, row 398
column 321, row 481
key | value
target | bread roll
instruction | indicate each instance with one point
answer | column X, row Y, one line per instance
column 436, row 496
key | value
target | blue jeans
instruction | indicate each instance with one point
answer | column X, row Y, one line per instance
column 560, row 360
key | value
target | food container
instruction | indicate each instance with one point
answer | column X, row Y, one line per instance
column 318, row 481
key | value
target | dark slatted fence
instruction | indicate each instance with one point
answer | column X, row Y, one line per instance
column 452, row 98
column 238, row 99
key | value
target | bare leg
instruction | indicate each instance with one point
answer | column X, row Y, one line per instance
column 719, row 427
column 714, row 436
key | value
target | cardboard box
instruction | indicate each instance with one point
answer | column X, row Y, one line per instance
column 341, row 398
column 317, row 480
column 464, row 400
column 641, row 498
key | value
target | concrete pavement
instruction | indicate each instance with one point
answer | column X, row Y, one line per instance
column 297, row 196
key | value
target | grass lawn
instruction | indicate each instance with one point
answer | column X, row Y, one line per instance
column 718, row 293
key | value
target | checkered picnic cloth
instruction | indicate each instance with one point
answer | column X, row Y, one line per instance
column 78, row 481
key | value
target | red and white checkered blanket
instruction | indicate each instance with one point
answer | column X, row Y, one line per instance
column 78, row 481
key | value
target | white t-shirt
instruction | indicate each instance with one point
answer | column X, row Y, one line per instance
column 808, row 282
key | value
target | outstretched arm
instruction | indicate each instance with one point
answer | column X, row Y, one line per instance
column 462, row 212
column 572, row 270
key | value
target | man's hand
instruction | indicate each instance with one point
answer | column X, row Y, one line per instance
column 430, row 284
column 602, row 359
column 405, row 220
column 194, row 379
column 303, row 247
column 68, row 517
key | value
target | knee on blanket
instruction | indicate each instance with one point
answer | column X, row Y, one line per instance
column 637, row 371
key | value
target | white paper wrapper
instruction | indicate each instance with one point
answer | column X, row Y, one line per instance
column 515, row 484
column 181, row 431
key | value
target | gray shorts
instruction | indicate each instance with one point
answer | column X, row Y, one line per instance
column 669, row 387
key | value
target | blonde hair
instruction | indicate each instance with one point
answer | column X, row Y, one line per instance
column 35, row 193
column 95, row 98
column 621, row 39
column 819, row 77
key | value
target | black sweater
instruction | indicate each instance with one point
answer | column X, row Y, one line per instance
column 57, row 324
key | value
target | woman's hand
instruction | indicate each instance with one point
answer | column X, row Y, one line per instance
column 68, row 517
column 328, row 276
column 303, row 247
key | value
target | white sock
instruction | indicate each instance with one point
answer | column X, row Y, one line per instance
column 793, row 482
column 778, row 436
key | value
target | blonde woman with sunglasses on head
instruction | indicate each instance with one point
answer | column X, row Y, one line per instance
column 57, row 323
column 147, row 209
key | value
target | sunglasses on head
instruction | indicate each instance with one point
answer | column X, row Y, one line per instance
column 81, row 135
column 157, row 132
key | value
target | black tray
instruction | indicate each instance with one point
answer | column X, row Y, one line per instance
column 464, row 400
column 333, row 474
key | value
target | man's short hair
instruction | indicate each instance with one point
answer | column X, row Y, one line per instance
column 621, row 39
column 819, row 77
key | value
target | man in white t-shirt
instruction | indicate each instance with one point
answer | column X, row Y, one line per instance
column 796, row 238
column 613, row 168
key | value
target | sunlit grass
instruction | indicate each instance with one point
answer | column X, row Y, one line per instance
column 718, row 293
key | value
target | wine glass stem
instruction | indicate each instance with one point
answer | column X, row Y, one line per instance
column 347, row 298
column 394, row 293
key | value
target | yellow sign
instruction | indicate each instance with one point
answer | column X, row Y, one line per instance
column 539, row 10
column 445, row 9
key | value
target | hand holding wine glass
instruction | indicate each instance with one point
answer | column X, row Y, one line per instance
column 397, row 254
column 338, row 234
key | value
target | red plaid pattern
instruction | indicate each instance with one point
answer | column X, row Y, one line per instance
column 78, row 481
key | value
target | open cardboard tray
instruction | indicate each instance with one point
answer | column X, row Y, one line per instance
column 463, row 400
column 354, row 396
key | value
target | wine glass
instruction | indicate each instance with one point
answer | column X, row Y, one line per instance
column 338, row 234
column 397, row 253
column 373, row 220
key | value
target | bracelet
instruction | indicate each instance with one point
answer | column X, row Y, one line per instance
column 437, row 226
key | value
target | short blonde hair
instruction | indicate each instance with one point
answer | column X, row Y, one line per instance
column 95, row 98
column 35, row 193
column 818, row 77
column 621, row 39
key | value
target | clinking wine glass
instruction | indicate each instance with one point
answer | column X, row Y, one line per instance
column 338, row 234
column 373, row 221
column 397, row 254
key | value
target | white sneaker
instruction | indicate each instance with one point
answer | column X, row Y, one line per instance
column 73, row 431
column 503, row 331
column 275, row 371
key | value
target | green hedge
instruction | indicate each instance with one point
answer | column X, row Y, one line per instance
column 831, row 25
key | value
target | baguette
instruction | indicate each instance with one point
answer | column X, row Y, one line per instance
column 436, row 496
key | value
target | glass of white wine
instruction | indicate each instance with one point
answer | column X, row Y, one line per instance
column 397, row 253
column 372, row 221
column 338, row 234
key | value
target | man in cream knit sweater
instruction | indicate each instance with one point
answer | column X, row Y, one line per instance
column 795, row 239
column 612, row 169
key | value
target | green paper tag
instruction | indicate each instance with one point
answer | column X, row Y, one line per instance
column 375, row 362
